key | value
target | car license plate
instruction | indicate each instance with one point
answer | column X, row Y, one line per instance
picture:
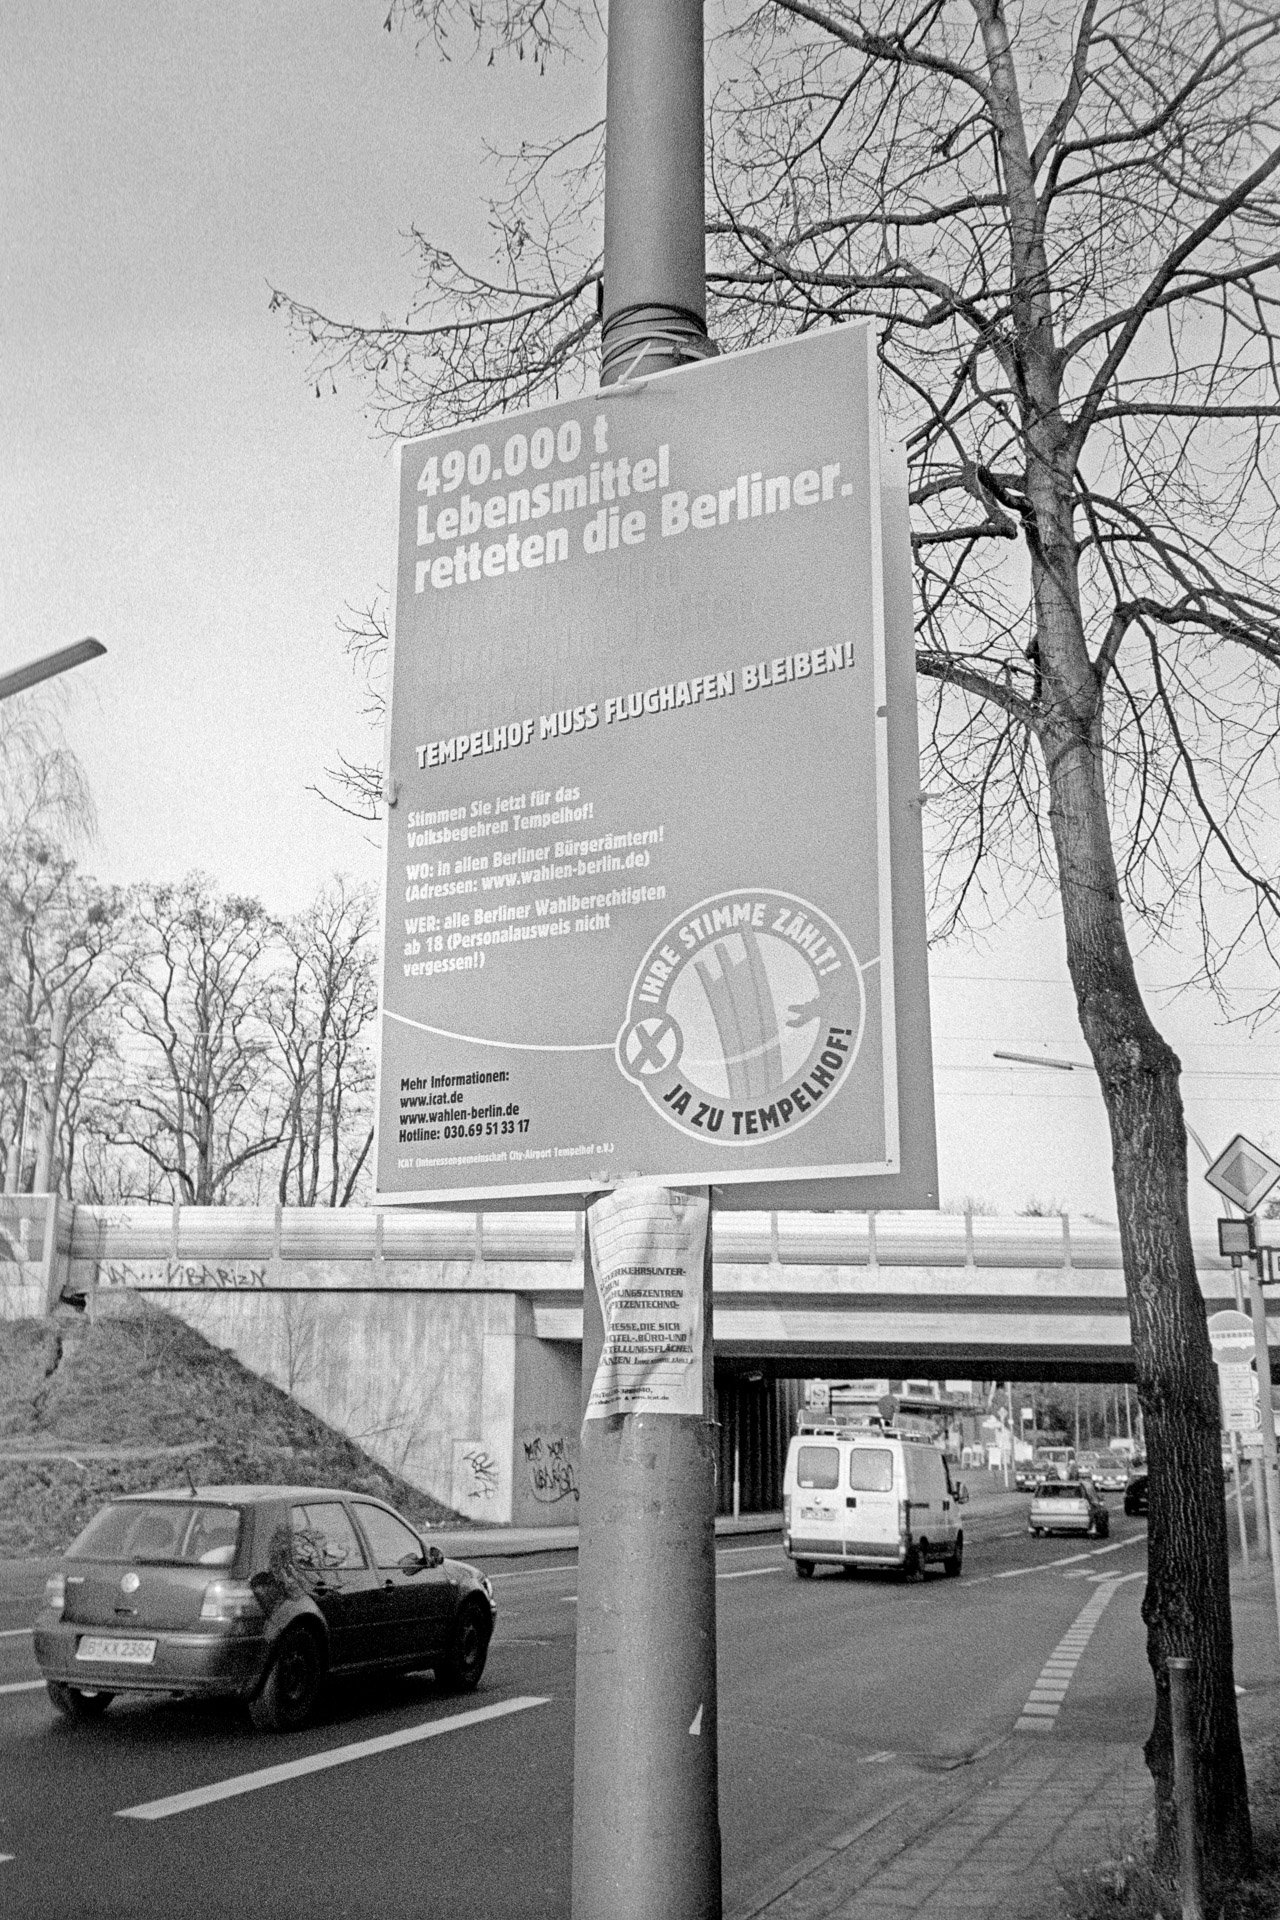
column 128, row 1653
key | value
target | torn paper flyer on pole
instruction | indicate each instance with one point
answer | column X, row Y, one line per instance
column 647, row 1248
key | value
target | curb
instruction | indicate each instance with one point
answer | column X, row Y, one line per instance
column 509, row 1543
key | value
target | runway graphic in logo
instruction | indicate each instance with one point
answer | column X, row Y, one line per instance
column 745, row 1017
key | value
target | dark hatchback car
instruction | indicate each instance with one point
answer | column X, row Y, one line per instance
column 1135, row 1494
column 256, row 1594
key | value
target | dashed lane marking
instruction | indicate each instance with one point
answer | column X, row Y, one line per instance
column 15, row 1633
column 1040, row 1713
column 319, row 1762
column 1067, row 1560
column 22, row 1686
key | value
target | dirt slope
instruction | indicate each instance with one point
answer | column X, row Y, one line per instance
column 90, row 1411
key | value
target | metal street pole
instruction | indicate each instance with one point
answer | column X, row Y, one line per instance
column 646, row 1819
column 1262, row 1354
column 1261, row 1531
column 1238, row 1457
column 655, row 275
column 646, row 1813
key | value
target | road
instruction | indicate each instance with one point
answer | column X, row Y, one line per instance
column 836, row 1696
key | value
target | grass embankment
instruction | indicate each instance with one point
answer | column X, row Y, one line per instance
column 1125, row 1888
column 140, row 1385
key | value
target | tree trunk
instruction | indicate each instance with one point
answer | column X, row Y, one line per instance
column 1187, row 1605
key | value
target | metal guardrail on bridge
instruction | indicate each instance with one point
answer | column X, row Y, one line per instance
column 960, row 1294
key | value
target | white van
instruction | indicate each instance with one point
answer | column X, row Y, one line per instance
column 869, row 1497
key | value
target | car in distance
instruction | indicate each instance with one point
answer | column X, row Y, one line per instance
column 254, row 1593
column 1054, row 1462
column 1135, row 1494
column 1112, row 1473
column 1068, row 1506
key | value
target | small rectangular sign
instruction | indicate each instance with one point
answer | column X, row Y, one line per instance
column 641, row 909
column 1238, row 1394
column 1235, row 1237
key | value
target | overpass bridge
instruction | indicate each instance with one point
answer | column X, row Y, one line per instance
column 450, row 1343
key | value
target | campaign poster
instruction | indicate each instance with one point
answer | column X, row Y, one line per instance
column 639, row 905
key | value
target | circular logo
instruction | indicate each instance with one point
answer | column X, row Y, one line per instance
column 744, row 1018
column 130, row 1583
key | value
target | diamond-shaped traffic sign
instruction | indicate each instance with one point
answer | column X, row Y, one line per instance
column 1244, row 1173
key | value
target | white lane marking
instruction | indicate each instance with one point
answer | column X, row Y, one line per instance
column 1068, row 1560
column 535, row 1573
column 15, row 1633
column 7, row 1856
column 743, row 1573
column 1040, row 1713
column 22, row 1686
column 877, row 1759
column 318, row 1762
column 571, row 1566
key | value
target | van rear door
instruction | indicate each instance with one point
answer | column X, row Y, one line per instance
column 817, row 1513
column 933, row 1509
column 871, row 1499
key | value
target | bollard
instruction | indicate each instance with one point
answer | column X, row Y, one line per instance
column 1184, row 1790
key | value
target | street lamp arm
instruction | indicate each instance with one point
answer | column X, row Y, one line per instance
column 47, row 666
column 1087, row 1066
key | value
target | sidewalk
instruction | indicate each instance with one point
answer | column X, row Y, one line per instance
column 997, row 1840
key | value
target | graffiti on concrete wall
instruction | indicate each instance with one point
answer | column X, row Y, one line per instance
column 484, row 1472
column 552, row 1474
column 197, row 1276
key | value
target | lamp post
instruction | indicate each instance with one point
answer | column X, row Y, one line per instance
column 646, row 1822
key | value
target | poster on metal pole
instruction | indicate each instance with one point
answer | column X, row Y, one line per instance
column 640, row 908
column 648, row 1242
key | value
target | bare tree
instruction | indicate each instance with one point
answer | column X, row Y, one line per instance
column 299, row 1337
column 200, row 1101
column 1065, row 222
column 43, row 790
column 322, row 1002
column 355, row 786
column 46, row 811
column 89, row 1084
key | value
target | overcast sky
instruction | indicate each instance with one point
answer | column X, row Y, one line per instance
column 170, row 482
